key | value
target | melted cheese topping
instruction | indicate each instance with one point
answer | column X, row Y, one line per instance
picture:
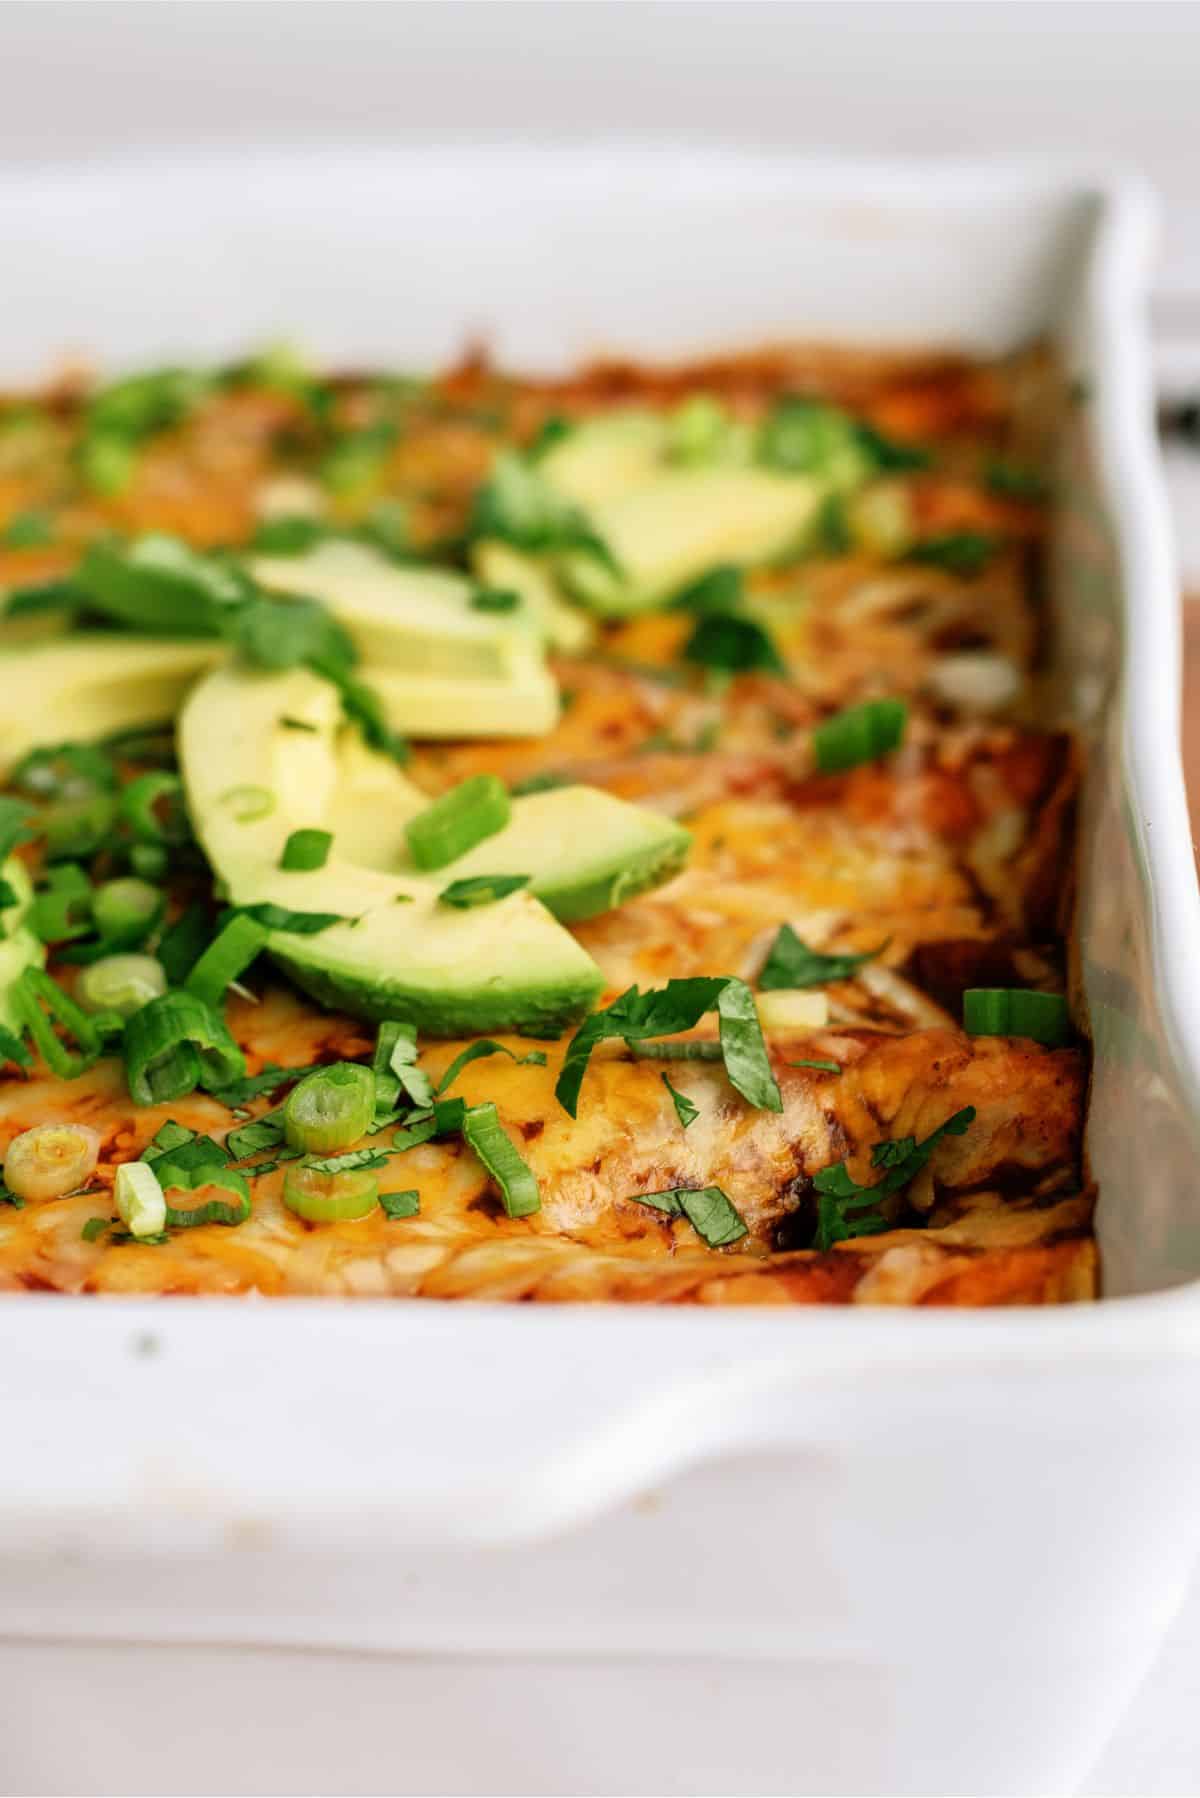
column 950, row 859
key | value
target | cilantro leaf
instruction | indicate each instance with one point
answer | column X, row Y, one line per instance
column 714, row 1218
column 846, row 1209
column 400, row 1204
column 519, row 506
column 685, row 1111
column 485, row 1047
column 960, row 552
column 664, row 1011
column 791, row 963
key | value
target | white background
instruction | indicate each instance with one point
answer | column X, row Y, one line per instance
column 1119, row 82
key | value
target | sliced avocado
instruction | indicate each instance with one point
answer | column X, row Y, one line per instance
column 606, row 457
column 563, row 626
column 19, row 948
column 683, row 523
column 93, row 685
column 400, row 953
column 588, row 851
column 441, row 667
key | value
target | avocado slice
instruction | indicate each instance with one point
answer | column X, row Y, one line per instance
column 588, row 850
column 19, row 948
column 666, row 523
column 683, row 523
column 442, row 667
column 92, row 685
column 401, row 953
column 563, row 626
column 605, row 457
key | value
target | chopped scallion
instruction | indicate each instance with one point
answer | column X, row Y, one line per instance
column 306, row 850
column 322, row 1198
column 469, row 813
column 175, row 1044
column 485, row 1134
column 330, row 1108
column 229, row 954
column 1016, row 1011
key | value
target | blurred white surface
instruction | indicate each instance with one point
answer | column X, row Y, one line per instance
column 1106, row 81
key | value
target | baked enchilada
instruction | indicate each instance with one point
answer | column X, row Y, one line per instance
column 493, row 838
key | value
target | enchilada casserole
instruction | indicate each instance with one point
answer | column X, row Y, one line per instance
column 564, row 840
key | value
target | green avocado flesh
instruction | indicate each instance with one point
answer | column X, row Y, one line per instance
column 588, row 852
column 664, row 524
column 401, row 953
column 442, row 667
column 87, row 686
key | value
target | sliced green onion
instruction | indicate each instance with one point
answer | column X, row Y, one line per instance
column 28, row 995
column 248, row 804
column 183, row 943
column 401, row 1204
column 121, row 983
column 330, row 1198
column 14, row 1050
column 215, row 1211
column 481, row 889
column 714, row 1218
column 484, row 1132
column 95, row 1226
column 138, row 804
column 75, row 828
column 693, row 1051
column 63, row 771
column 140, row 1201
column 331, row 1108
column 861, row 734
column 474, row 810
column 125, row 911
column 175, row 1044
column 50, row 1160
column 1015, row 1011
column 822, row 1067
column 149, row 860
column 229, row 954
column 306, row 850
column 198, row 1167
column 63, row 909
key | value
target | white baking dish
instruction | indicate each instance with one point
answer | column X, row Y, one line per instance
column 621, row 1550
